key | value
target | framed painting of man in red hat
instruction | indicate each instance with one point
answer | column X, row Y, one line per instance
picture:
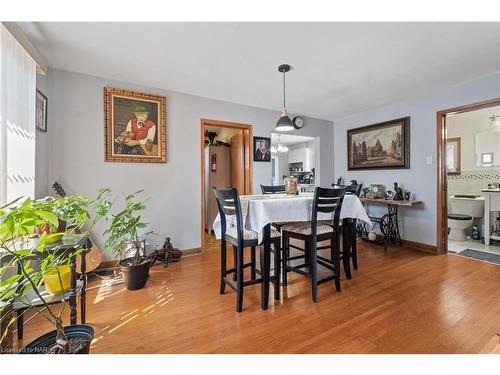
column 135, row 126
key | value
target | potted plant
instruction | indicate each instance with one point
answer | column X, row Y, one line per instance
column 72, row 211
column 18, row 221
column 124, row 234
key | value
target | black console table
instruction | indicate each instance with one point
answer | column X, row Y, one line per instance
column 388, row 223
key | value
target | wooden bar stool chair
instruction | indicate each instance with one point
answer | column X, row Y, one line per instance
column 269, row 189
column 351, row 226
column 326, row 200
column 228, row 202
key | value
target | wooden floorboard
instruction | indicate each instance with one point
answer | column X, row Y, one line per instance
column 402, row 301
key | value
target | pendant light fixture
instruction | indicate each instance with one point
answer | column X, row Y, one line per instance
column 284, row 122
column 279, row 148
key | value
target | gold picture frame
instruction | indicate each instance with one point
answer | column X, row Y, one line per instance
column 134, row 127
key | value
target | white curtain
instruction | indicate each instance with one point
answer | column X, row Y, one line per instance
column 17, row 119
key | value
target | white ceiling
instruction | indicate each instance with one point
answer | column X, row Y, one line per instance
column 338, row 68
column 289, row 139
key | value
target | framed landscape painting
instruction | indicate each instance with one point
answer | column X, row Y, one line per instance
column 135, row 126
column 385, row 145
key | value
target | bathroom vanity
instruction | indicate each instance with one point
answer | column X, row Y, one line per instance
column 491, row 203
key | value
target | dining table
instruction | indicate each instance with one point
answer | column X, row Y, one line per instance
column 260, row 211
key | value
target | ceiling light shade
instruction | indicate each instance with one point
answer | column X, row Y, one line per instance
column 280, row 148
column 273, row 150
column 285, row 148
column 284, row 122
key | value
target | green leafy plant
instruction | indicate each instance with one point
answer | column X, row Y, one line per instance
column 125, row 226
column 17, row 225
column 18, row 222
column 74, row 210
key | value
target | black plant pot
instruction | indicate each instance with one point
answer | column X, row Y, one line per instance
column 79, row 335
column 135, row 276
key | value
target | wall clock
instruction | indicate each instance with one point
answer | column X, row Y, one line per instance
column 298, row 122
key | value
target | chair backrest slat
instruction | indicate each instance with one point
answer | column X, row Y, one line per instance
column 268, row 189
column 228, row 202
column 350, row 189
column 327, row 200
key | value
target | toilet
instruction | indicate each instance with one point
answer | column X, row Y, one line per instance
column 462, row 214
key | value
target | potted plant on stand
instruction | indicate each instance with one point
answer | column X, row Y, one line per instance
column 20, row 277
column 124, row 237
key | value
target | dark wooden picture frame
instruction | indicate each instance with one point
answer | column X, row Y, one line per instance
column 134, row 126
column 41, row 111
column 261, row 154
column 385, row 145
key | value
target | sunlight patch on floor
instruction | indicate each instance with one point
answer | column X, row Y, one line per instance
column 105, row 291
column 122, row 324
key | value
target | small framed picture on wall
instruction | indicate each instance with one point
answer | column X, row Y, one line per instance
column 41, row 111
column 261, row 149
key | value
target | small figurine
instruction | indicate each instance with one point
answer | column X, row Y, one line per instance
column 366, row 190
column 166, row 254
column 407, row 195
column 398, row 196
column 174, row 253
column 340, row 181
column 388, row 195
column 354, row 182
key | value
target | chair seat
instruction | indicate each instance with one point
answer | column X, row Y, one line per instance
column 279, row 224
column 249, row 235
column 304, row 227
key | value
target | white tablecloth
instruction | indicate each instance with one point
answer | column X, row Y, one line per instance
column 260, row 210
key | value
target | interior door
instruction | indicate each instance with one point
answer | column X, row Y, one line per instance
column 238, row 162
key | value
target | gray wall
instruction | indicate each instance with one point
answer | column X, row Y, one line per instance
column 76, row 151
column 418, row 224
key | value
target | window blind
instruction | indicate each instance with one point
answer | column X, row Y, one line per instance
column 17, row 119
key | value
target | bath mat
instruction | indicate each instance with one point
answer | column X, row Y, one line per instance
column 481, row 255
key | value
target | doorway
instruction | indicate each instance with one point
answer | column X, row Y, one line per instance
column 449, row 163
column 226, row 151
column 294, row 156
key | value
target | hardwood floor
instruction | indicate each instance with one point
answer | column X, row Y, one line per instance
column 404, row 301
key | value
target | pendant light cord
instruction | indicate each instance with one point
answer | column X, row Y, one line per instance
column 284, row 91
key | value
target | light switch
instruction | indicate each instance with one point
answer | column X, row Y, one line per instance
column 428, row 160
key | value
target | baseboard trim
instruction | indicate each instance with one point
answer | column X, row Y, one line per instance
column 432, row 249
column 107, row 264
column 189, row 252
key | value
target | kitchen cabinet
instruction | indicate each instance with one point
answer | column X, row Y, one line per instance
column 302, row 155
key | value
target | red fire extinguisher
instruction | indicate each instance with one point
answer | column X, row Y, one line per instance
column 214, row 163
